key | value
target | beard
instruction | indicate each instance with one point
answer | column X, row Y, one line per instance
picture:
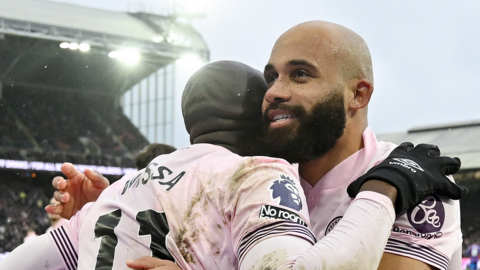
column 315, row 134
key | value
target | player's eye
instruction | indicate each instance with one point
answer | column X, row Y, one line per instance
column 271, row 78
column 300, row 74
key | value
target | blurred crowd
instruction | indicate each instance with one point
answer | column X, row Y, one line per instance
column 22, row 202
column 56, row 127
column 470, row 218
column 21, row 211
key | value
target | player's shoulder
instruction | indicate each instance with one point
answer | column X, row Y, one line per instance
column 266, row 163
column 219, row 155
column 259, row 170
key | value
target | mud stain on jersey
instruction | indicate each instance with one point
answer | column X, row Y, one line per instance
column 271, row 261
column 195, row 200
column 188, row 233
column 276, row 259
column 183, row 245
column 246, row 168
column 194, row 232
column 191, row 233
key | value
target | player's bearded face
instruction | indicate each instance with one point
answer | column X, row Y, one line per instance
column 315, row 133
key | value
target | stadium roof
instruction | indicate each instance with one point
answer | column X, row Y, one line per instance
column 32, row 30
column 75, row 17
column 461, row 139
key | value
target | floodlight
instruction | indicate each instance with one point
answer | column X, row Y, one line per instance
column 173, row 36
column 73, row 46
column 189, row 63
column 157, row 39
column 64, row 45
column 84, row 47
column 129, row 56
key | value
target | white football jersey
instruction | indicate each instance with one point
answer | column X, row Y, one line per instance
column 201, row 206
column 429, row 232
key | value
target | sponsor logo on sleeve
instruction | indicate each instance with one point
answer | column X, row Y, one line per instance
column 274, row 212
column 285, row 189
column 407, row 163
column 332, row 224
column 427, row 218
column 426, row 236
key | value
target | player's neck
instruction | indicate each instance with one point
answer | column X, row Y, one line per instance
column 346, row 146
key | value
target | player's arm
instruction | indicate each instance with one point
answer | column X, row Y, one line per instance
column 151, row 263
column 38, row 253
column 57, row 249
column 75, row 191
column 358, row 240
column 391, row 261
column 430, row 177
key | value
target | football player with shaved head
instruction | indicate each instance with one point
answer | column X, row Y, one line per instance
column 320, row 82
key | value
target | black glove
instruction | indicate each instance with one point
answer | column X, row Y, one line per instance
column 416, row 173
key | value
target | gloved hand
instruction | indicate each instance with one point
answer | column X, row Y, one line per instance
column 416, row 172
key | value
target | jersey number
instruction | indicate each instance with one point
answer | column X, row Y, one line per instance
column 151, row 223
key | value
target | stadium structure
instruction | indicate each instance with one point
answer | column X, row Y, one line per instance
column 79, row 85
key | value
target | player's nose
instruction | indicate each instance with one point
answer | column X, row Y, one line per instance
column 278, row 92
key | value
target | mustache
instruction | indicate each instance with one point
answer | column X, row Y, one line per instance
column 297, row 110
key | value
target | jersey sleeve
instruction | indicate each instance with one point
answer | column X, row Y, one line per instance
column 65, row 238
column 365, row 227
column 38, row 253
column 266, row 200
column 429, row 232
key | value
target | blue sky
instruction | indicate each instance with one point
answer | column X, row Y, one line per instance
column 426, row 54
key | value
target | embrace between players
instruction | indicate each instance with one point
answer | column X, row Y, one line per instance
column 232, row 200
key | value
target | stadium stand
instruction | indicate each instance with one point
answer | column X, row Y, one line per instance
column 66, row 127
column 470, row 214
column 21, row 209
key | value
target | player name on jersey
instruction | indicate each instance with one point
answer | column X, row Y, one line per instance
column 163, row 177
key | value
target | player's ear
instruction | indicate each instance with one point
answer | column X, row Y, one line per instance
column 362, row 92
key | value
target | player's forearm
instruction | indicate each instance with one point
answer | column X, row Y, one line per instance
column 381, row 187
column 358, row 240
column 38, row 253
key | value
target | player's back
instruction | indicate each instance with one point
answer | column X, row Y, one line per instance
column 183, row 206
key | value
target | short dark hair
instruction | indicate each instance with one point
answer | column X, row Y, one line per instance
column 150, row 152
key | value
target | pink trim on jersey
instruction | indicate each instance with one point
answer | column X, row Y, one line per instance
column 328, row 200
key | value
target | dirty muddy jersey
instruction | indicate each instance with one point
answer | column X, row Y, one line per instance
column 201, row 206
column 429, row 232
